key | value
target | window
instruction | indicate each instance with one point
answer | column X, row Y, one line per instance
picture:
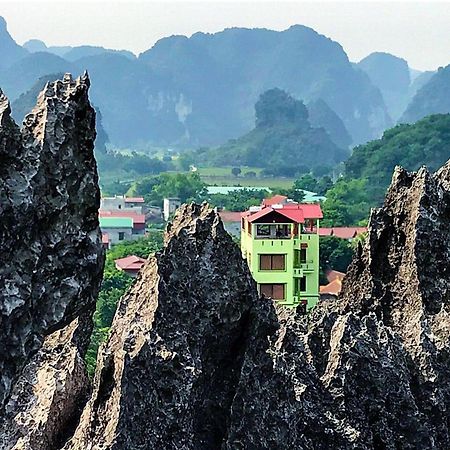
column 119, row 206
column 121, row 235
column 275, row 291
column 263, row 230
column 302, row 255
column 301, row 284
column 272, row 262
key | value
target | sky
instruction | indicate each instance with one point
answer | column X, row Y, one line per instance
column 416, row 31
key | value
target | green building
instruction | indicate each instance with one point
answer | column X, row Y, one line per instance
column 280, row 241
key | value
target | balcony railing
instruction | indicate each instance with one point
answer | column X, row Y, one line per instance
column 305, row 265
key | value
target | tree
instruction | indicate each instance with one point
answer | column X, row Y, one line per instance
column 277, row 106
column 236, row 171
column 307, row 183
column 334, row 254
column 185, row 186
column 347, row 203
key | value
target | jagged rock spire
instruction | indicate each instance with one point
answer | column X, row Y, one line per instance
column 51, row 256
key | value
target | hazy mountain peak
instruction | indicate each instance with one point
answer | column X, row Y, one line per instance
column 391, row 75
column 10, row 51
column 35, row 45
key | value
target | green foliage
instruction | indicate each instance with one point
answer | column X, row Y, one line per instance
column 115, row 283
column 239, row 200
column 187, row 187
column 115, row 187
column 335, row 254
column 347, row 203
column 236, row 171
column 307, row 182
column 135, row 164
column 276, row 106
column 426, row 142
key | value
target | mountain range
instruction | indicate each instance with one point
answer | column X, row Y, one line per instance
column 201, row 90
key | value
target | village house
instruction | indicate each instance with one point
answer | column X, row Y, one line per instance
column 280, row 241
column 131, row 265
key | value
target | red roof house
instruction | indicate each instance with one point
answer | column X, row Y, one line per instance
column 275, row 200
column 230, row 216
column 131, row 264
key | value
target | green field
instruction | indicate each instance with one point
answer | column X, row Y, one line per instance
column 222, row 176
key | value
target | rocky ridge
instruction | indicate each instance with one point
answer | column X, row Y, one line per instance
column 52, row 263
column 197, row 361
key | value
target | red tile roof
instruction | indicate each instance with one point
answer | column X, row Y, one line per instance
column 274, row 200
column 323, row 231
column 332, row 288
column 131, row 262
column 134, row 200
column 137, row 218
column 310, row 210
column 294, row 211
column 334, row 275
column 297, row 215
column 230, row 216
column 342, row 232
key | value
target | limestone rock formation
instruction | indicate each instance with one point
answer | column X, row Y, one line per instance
column 51, row 263
column 169, row 373
column 197, row 361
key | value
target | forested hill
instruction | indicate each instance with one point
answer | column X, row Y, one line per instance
column 425, row 143
column 432, row 98
column 283, row 141
column 189, row 92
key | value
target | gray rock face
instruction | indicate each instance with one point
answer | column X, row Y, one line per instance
column 197, row 361
column 169, row 373
column 47, row 399
column 51, row 253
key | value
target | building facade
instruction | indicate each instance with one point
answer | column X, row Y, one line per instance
column 117, row 229
column 170, row 205
column 122, row 203
column 281, row 244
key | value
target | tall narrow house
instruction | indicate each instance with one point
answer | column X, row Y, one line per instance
column 280, row 241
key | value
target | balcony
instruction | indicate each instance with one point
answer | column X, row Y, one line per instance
column 303, row 266
column 273, row 231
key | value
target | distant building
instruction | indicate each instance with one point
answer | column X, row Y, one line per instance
column 120, row 202
column 280, row 241
column 231, row 222
column 170, row 205
column 117, row 229
column 139, row 220
column 131, row 264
